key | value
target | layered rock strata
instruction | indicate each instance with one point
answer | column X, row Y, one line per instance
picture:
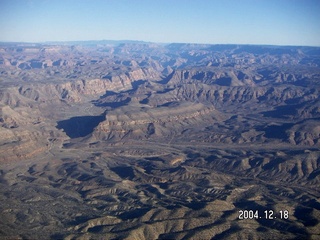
column 160, row 122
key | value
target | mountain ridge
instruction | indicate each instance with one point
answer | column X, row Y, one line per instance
column 150, row 141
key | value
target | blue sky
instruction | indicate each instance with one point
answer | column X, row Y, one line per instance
column 278, row 22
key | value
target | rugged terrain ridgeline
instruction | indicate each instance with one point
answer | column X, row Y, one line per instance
column 148, row 141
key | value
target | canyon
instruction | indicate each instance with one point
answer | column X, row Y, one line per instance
column 137, row 140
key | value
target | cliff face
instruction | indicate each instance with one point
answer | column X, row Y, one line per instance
column 208, row 77
column 76, row 90
column 26, row 122
column 141, row 138
column 145, row 123
column 233, row 77
column 195, row 93
column 25, row 133
column 29, row 111
column 161, row 113
column 126, row 79
column 73, row 91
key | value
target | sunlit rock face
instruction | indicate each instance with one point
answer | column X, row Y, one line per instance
column 149, row 141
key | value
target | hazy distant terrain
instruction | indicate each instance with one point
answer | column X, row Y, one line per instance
column 138, row 140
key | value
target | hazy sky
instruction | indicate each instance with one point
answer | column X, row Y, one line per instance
column 280, row 22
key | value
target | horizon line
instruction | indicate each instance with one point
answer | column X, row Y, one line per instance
column 149, row 42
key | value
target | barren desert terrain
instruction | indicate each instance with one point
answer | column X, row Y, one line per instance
column 137, row 140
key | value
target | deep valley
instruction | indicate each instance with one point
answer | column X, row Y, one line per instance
column 159, row 141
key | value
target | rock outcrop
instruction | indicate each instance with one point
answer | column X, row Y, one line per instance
column 161, row 122
column 132, row 140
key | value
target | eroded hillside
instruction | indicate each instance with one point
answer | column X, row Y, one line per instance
column 148, row 141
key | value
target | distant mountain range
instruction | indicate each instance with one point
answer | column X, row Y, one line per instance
column 139, row 140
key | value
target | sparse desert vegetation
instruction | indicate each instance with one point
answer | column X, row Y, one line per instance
column 153, row 141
